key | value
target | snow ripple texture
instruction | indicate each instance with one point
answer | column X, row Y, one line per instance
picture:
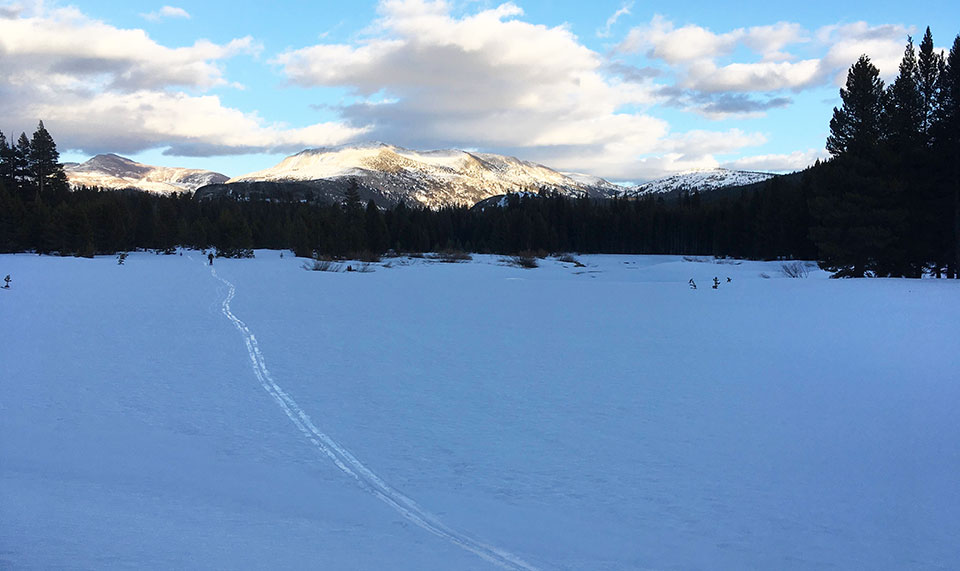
column 348, row 463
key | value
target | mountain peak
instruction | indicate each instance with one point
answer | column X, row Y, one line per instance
column 700, row 180
column 432, row 178
column 109, row 170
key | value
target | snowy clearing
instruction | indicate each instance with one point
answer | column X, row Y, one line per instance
column 160, row 414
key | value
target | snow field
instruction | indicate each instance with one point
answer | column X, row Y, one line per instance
column 604, row 417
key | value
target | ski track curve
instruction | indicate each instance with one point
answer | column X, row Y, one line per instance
column 349, row 464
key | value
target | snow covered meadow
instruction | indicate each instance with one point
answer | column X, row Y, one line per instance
column 474, row 416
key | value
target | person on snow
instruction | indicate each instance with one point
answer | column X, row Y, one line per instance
column 210, row 257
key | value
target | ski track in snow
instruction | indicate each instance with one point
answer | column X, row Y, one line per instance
column 348, row 463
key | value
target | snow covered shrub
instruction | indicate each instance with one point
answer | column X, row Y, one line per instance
column 794, row 270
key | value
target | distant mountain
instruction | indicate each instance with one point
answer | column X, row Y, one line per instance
column 116, row 172
column 390, row 174
column 701, row 180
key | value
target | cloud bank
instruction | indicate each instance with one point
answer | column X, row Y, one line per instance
column 105, row 89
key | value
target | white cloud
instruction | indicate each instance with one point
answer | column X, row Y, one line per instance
column 769, row 41
column 699, row 58
column 166, row 13
column 884, row 45
column 188, row 125
column 12, row 11
column 790, row 162
column 677, row 45
column 65, row 48
column 102, row 88
column 746, row 77
column 624, row 10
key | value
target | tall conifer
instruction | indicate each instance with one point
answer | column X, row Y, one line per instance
column 45, row 162
column 905, row 105
column 946, row 130
column 7, row 160
column 856, row 126
column 858, row 227
column 928, row 70
column 21, row 166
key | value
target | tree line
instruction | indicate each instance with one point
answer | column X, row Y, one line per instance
column 887, row 202
column 769, row 223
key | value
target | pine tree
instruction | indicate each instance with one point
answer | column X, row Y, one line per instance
column 856, row 127
column 905, row 156
column 354, row 235
column 21, row 166
column 351, row 197
column 905, row 104
column 7, row 161
column 45, row 162
column 928, row 69
column 859, row 226
column 378, row 237
column 946, row 131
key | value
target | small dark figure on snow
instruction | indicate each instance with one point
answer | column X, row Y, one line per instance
column 716, row 282
column 728, row 279
column 210, row 257
column 693, row 284
column 6, row 282
column 281, row 255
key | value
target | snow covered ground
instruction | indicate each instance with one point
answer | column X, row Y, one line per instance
column 470, row 416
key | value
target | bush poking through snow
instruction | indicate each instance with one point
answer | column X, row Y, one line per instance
column 794, row 270
column 452, row 257
column 238, row 253
column 569, row 259
column 523, row 260
column 323, row 266
column 365, row 256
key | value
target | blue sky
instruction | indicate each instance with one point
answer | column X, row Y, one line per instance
column 624, row 90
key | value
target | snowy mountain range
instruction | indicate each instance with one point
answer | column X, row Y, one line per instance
column 389, row 174
column 116, row 172
column 700, row 180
